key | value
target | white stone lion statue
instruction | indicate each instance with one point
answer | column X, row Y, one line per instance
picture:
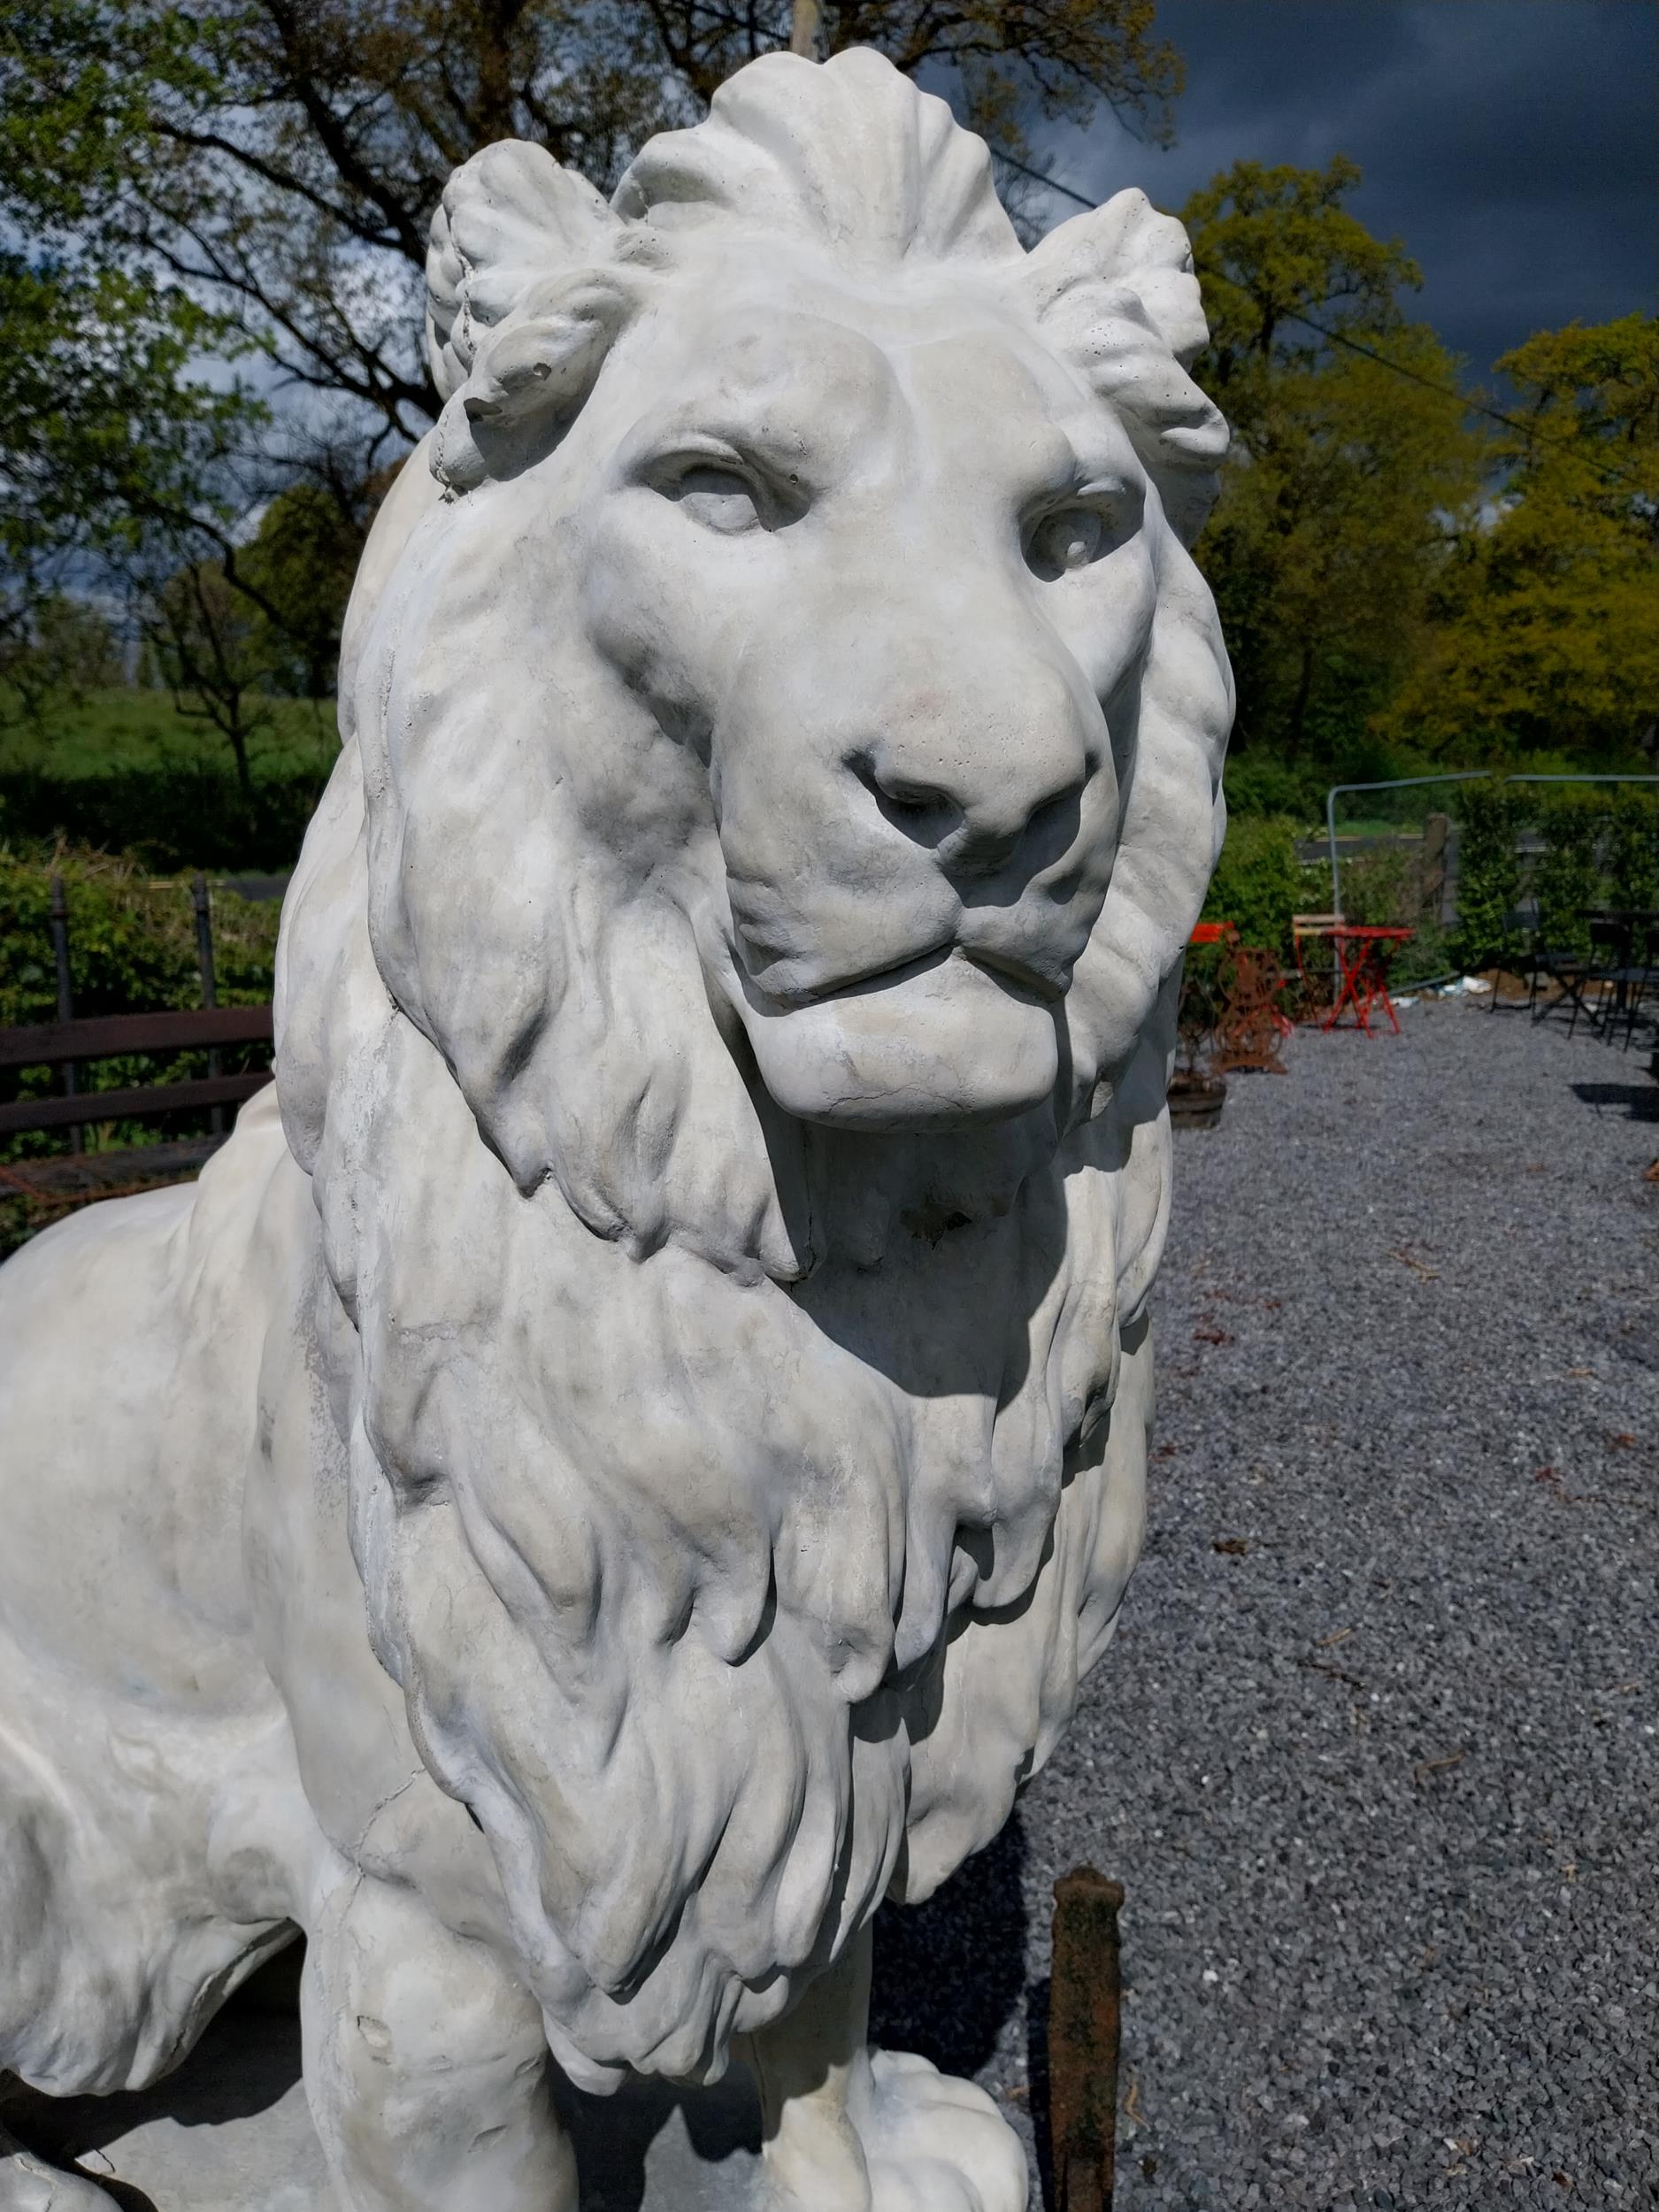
column 620, row 1465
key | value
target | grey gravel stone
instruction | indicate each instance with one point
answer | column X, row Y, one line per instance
column 1381, row 1786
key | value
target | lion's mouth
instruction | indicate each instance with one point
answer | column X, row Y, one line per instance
column 1016, row 976
column 935, row 1042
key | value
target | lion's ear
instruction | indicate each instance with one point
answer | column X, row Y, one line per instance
column 529, row 380
column 510, row 219
column 1114, row 289
column 1128, row 243
column 523, row 300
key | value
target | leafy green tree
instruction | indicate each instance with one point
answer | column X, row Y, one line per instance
column 281, row 158
column 121, row 462
column 209, row 646
column 1350, row 465
column 301, row 562
column 230, row 632
column 132, row 477
column 103, row 422
column 1546, row 636
column 67, row 649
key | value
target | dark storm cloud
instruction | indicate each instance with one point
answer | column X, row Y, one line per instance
column 1510, row 144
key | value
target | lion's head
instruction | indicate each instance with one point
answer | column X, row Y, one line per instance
column 723, row 1008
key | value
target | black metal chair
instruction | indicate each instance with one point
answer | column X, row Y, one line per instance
column 1570, row 969
column 1632, row 980
column 1610, row 956
column 1519, row 927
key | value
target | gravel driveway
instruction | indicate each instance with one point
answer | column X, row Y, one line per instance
column 1375, row 1752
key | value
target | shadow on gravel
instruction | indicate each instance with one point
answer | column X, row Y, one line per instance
column 1037, row 2075
column 950, row 1973
column 1640, row 1100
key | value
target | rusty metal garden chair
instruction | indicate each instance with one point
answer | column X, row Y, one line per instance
column 1316, row 990
column 1250, row 1022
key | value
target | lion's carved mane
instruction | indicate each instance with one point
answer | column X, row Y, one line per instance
column 726, row 1596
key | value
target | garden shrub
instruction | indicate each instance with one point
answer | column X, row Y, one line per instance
column 1384, row 889
column 1259, row 883
column 1259, row 784
column 1632, row 845
column 1202, row 989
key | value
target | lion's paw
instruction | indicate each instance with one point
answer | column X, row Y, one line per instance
column 936, row 2144
column 28, row 2185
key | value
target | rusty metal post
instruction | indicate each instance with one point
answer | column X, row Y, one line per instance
column 209, row 980
column 1085, row 1996
column 59, row 912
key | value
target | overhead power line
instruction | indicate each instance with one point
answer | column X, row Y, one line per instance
column 1038, row 176
column 1352, row 345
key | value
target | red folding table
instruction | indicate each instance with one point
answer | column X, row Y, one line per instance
column 1363, row 953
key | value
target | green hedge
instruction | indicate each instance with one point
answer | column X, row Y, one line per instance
column 177, row 815
column 122, row 771
column 1488, row 871
column 1600, row 847
column 1570, row 847
column 1257, row 784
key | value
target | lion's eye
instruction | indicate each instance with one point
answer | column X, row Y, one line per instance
column 1069, row 539
column 719, row 498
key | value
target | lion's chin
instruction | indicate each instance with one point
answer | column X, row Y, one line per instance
column 927, row 1047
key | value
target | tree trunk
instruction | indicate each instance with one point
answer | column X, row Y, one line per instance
column 238, row 737
column 1299, row 705
column 803, row 31
column 496, row 23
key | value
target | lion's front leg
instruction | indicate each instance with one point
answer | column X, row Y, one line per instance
column 426, row 2065
column 848, row 2129
column 812, row 2069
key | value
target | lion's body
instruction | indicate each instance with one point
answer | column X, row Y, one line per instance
column 179, row 1552
column 629, row 1470
column 142, row 1728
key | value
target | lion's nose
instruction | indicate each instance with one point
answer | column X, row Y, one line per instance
column 976, row 819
